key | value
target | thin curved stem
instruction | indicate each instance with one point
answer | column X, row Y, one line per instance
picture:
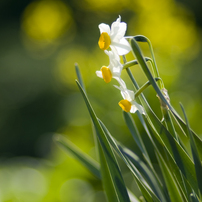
column 146, row 85
column 141, row 38
column 135, row 62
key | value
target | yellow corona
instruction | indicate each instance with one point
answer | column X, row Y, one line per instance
column 125, row 105
column 106, row 74
column 104, row 41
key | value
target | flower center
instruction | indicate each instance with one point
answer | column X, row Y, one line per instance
column 106, row 74
column 104, row 41
column 125, row 105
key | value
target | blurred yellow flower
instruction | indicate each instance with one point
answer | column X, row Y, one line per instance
column 64, row 67
column 46, row 20
column 169, row 26
column 104, row 5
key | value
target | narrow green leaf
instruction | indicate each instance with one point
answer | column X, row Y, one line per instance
column 145, row 172
column 171, row 163
column 195, row 154
column 106, row 177
column 175, row 150
column 169, row 124
column 193, row 198
column 137, row 169
column 83, row 158
column 197, row 139
column 133, row 198
column 137, row 137
column 152, row 121
column 135, row 133
column 185, row 187
column 91, row 165
column 172, row 187
column 142, row 38
column 141, row 60
column 147, row 72
column 181, row 130
column 109, row 155
column 79, row 76
column 143, row 64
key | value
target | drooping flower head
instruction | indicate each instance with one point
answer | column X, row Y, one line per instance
column 128, row 104
column 113, row 70
column 114, row 37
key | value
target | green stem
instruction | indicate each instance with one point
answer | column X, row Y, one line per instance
column 130, row 73
column 138, row 54
column 141, row 38
column 147, row 84
column 135, row 62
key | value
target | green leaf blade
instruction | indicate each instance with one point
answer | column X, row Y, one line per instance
column 79, row 76
column 109, row 155
column 106, row 177
column 172, row 187
column 176, row 152
column 83, row 158
column 144, row 187
column 195, row 154
column 135, row 133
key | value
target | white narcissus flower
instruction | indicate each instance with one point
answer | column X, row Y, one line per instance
column 114, row 37
column 113, row 70
column 128, row 103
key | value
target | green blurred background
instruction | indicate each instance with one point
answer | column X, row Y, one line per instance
column 40, row 42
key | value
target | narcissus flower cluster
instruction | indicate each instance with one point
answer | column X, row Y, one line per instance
column 114, row 44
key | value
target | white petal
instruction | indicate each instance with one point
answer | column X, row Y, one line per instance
column 121, row 89
column 110, row 54
column 114, row 63
column 116, row 87
column 99, row 74
column 133, row 109
column 116, row 72
column 135, row 106
column 106, row 52
column 120, row 81
column 118, row 31
column 114, row 54
column 129, row 95
column 124, row 95
column 117, row 64
column 122, row 47
column 115, row 27
column 104, row 28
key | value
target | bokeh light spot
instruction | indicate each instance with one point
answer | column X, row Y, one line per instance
column 46, row 20
column 76, row 190
column 105, row 5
